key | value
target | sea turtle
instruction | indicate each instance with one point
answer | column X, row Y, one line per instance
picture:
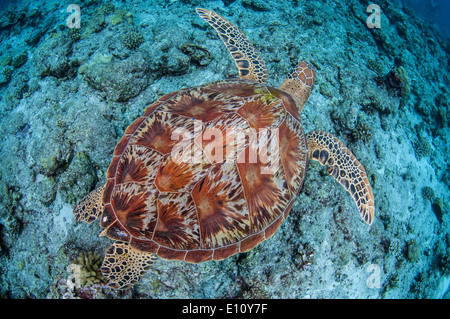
column 213, row 170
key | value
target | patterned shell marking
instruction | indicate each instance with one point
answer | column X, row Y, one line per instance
column 221, row 198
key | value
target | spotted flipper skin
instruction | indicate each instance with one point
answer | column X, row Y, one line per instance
column 247, row 59
column 90, row 207
column 345, row 168
column 124, row 265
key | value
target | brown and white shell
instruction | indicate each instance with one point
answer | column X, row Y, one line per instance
column 220, row 199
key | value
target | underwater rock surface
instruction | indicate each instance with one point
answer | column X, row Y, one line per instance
column 67, row 97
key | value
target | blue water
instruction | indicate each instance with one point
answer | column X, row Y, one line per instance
column 436, row 11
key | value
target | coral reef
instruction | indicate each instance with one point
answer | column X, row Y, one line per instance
column 437, row 207
column 78, row 179
column 396, row 248
column 443, row 262
column 75, row 34
column 6, row 75
column 428, row 193
column 67, row 97
column 19, row 60
column 422, row 146
column 130, row 77
column 255, row 291
column 349, row 120
column 133, row 39
column 52, row 155
column 362, row 132
column 46, row 188
column 85, row 269
column 85, row 280
column 303, row 258
column 414, row 252
column 51, row 58
column 257, row 5
column 397, row 82
column 376, row 66
column 10, row 216
column 106, row 8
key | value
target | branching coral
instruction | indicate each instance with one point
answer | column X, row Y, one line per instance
column 85, row 270
column 75, row 34
column 362, row 132
column 60, row 122
column 85, row 280
column 133, row 39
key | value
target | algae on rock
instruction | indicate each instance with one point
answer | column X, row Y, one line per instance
column 121, row 80
column 78, row 180
column 51, row 58
column 133, row 39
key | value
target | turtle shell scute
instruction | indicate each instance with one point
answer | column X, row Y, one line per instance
column 206, row 172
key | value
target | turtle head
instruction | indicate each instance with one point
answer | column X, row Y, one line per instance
column 299, row 83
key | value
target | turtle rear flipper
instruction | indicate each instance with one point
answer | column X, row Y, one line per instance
column 124, row 265
column 248, row 61
column 90, row 207
column 345, row 168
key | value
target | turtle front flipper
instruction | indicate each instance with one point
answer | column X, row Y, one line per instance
column 124, row 265
column 345, row 168
column 90, row 207
column 247, row 59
